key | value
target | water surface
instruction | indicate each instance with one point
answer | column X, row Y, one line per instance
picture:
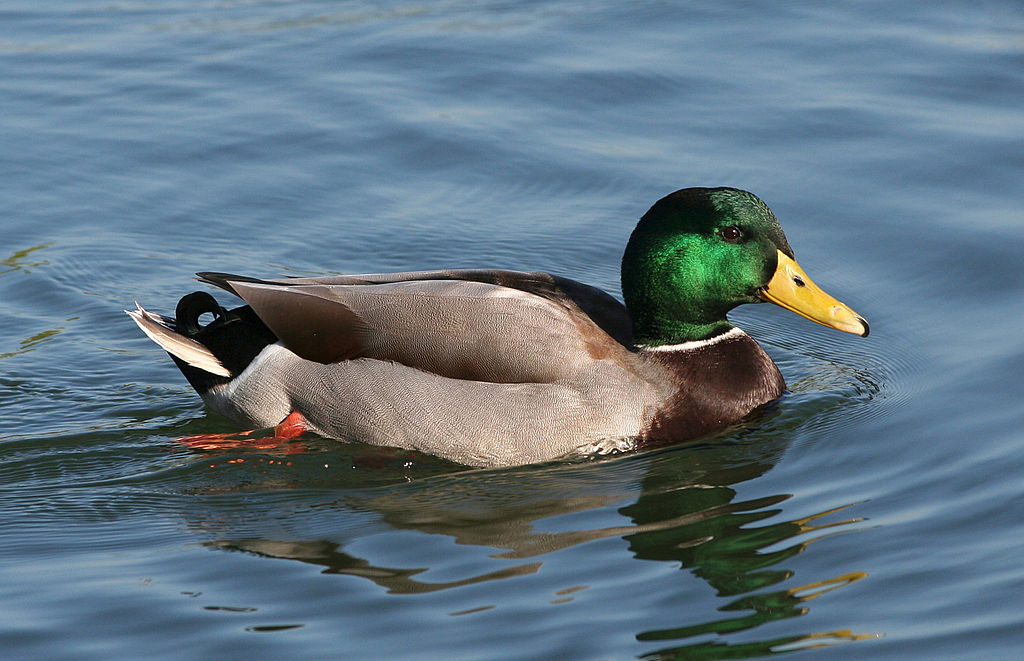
column 874, row 513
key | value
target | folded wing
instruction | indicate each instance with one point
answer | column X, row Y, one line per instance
column 497, row 326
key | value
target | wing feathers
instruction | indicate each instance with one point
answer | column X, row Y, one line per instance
column 311, row 326
column 609, row 314
column 497, row 326
column 455, row 328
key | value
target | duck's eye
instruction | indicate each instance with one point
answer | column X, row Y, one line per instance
column 731, row 233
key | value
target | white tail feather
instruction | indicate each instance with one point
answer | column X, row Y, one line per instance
column 176, row 344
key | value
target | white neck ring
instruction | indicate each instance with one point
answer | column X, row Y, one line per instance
column 692, row 345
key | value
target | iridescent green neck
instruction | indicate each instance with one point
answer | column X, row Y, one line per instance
column 659, row 320
column 671, row 293
column 664, row 332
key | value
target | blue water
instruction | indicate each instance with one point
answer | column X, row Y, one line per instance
column 876, row 513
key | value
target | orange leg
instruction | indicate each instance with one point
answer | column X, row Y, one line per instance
column 292, row 426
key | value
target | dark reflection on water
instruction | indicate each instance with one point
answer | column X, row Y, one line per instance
column 720, row 543
column 680, row 506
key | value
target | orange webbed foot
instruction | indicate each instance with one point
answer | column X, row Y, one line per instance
column 292, row 427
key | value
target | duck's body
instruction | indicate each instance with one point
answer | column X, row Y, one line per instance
column 480, row 367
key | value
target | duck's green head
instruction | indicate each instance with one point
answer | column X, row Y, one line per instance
column 700, row 252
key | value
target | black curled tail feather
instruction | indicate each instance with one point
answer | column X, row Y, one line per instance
column 235, row 337
column 192, row 307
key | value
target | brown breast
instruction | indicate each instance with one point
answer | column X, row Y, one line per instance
column 715, row 384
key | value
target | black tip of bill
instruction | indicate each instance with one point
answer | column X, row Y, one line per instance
column 864, row 323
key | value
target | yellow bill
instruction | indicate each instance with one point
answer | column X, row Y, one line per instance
column 792, row 289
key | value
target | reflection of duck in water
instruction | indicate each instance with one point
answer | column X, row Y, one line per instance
column 507, row 525
column 501, row 367
column 500, row 510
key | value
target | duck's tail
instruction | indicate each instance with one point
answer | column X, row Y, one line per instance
column 209, row 354
column 163, row 331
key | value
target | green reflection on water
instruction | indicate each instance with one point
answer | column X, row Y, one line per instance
column 686, row 513
column 716, row 539
column 24, row 261
column 32, row 342
column 21, row 260
column 765, row 607
column 782, row 644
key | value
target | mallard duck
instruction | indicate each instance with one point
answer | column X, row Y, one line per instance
column 491, row 367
